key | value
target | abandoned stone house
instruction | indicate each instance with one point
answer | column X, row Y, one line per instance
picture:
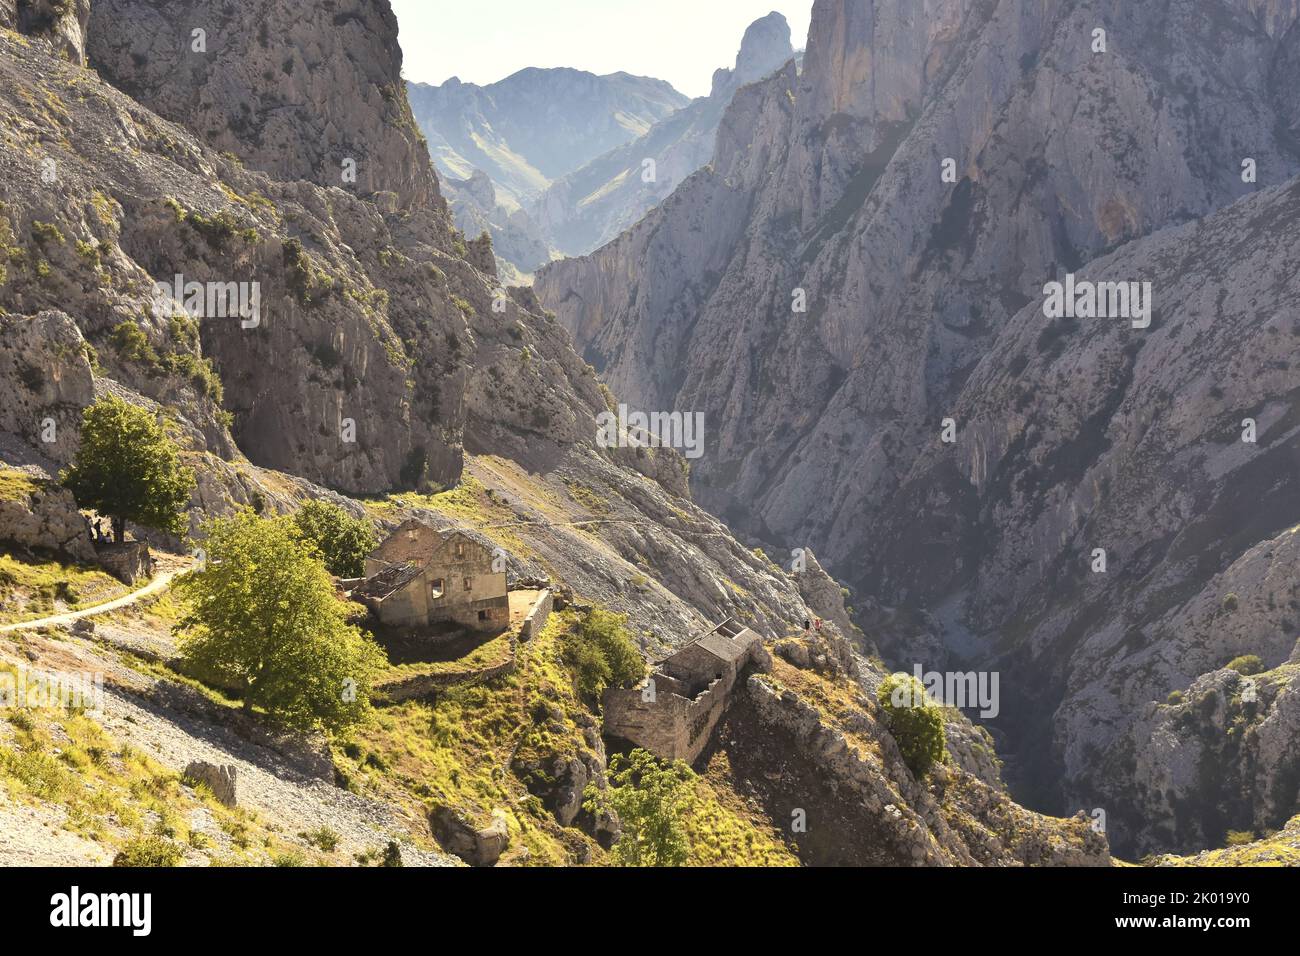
column 421, row 578
column 673, row 711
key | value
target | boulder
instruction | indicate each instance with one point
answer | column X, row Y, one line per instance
column 38, row 514
column 220, row 779
column 477, row 846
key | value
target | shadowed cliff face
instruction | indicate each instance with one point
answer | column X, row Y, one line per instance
column 922, row 293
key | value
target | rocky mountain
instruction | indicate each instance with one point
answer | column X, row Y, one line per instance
column 591, row 205
column 862, row 273
column 535, row 125
column 517, row 240
column 349, row 345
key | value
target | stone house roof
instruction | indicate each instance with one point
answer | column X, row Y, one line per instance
column 388, row 581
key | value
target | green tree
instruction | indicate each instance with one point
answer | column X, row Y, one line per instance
column 127, row 468
column 651, row 799
column 342, row 539
column 600, row 653
column 264, row 618
column 915, row 721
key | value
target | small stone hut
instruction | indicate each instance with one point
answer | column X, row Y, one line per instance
column 419, row 577
column 673, row 711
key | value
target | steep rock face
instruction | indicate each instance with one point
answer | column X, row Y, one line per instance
column 1220, row 756
column 535, row 125
column 920, row 293
column 44, row 518
column 297, row 91
column 593, row 204
column 45, row 381
column 1103, row 436
column 123, row 200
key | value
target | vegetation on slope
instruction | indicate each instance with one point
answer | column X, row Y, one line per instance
column 116, row 796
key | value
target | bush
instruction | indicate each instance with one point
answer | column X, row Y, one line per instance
column 323, row 838
column 148, row 851
column 1231, row 602
column 915, row 721
column 343, row 540
column 651, row 799
column 1175, row 698
column 1246, row 664
column 1240, row 837
column 601, row 654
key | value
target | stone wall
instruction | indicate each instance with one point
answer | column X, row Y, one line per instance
column 427, row 685
column 537, row 617
column 129, row 561
column 674, row 718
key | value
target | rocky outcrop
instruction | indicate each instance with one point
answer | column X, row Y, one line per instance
column 60, row 23
column 1215, row 758
column 825, row 597
column 46, row 378
column 535, row 125
column 953, row 820
column 594, row 203
column 37, row 514
column 477, row 846
column 516, row 240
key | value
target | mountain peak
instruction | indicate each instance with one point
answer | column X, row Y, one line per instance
column 764, row 47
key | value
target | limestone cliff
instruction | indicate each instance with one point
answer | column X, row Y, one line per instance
column 827, row 299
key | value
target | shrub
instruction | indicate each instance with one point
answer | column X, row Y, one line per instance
column 344, row 541
column 1246, row 664
column 148, row 851
column 1231, row 602
column 324, row 838
column 601, row 654
column 1240, row 837
column 651, row 799
column 914, row 720
column 1175, row 697
column 130, row 342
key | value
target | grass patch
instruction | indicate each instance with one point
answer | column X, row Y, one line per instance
column 35, row 588
column 119, row 797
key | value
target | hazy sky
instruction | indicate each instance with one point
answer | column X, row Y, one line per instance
column 482, row 41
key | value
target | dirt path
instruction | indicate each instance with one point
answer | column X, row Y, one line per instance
column 158, row 584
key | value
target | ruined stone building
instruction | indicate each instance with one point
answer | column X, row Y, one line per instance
column 672, row 712
column 422, row 578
